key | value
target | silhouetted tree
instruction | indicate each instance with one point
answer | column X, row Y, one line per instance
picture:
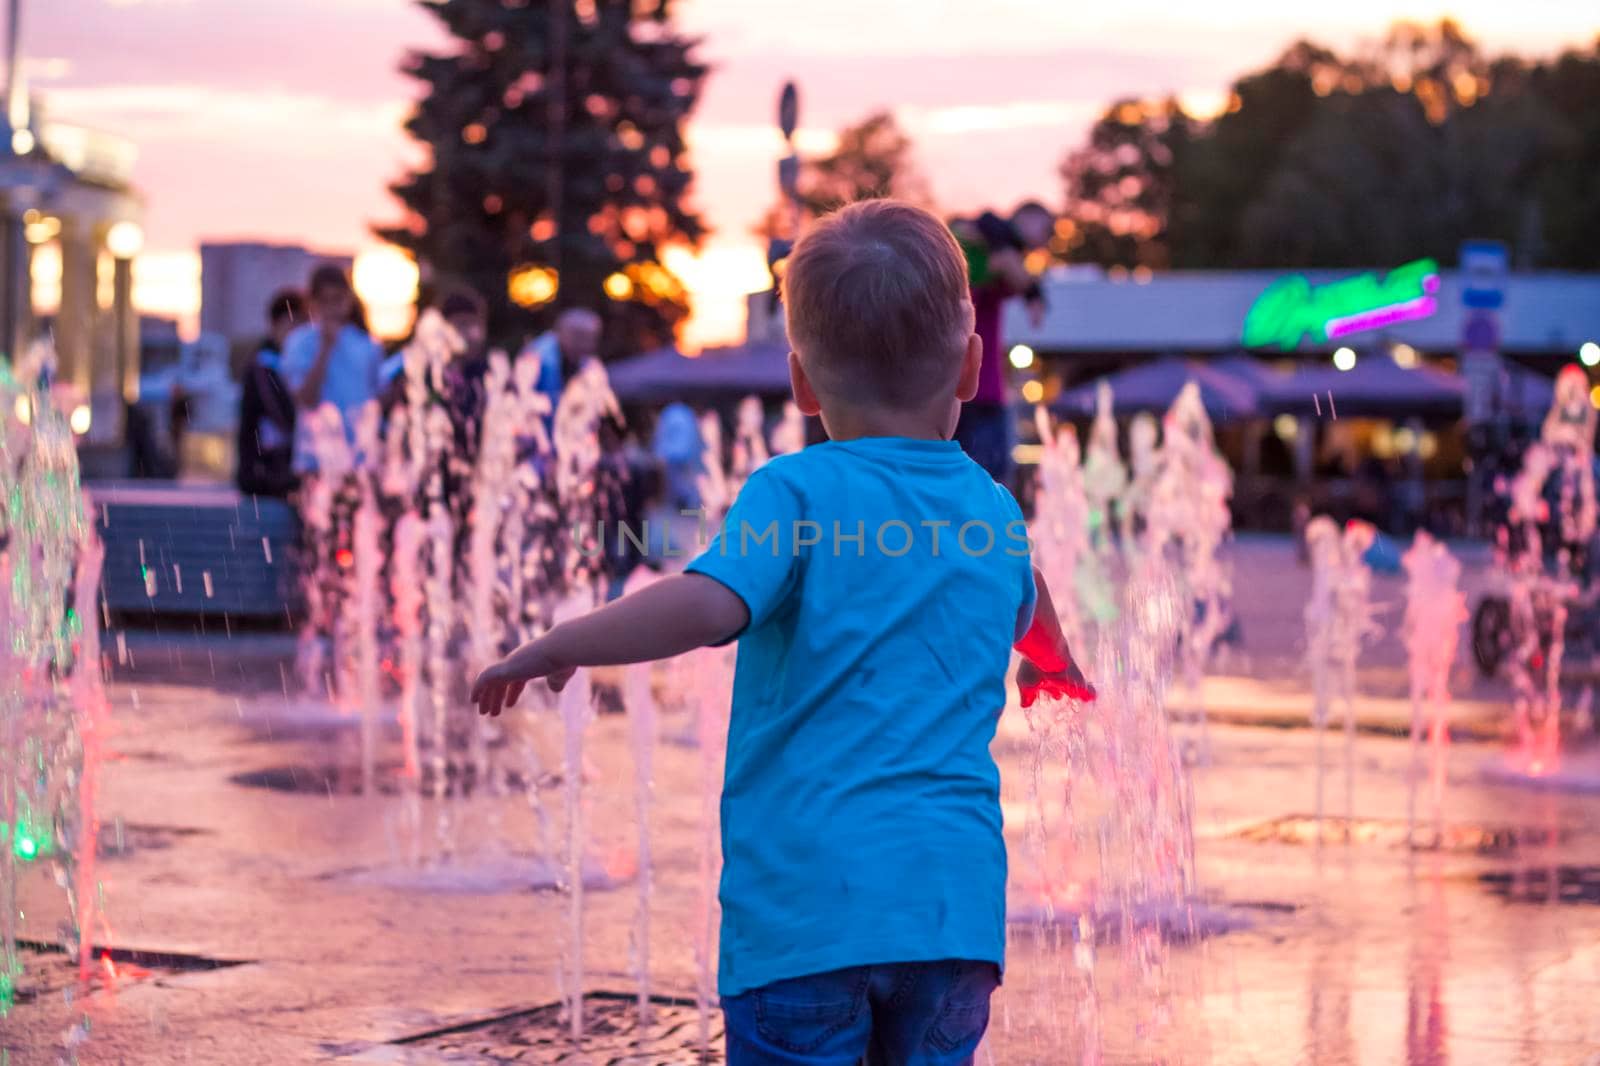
column 872, row 159
column 1120, row 185
column 1402, row 150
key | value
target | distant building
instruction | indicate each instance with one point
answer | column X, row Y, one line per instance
column 70, row 189
column 763, row 321
column 237, row 278
column 159, row 342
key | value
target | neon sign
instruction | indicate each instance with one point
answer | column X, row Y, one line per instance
column 1292, row 308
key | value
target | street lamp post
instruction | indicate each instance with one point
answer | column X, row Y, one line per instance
column 13, row 54
column 16, row 281
column 789, row 165
column 779, row 245
column 124, row 241
column 16, row 257
column 789, row 183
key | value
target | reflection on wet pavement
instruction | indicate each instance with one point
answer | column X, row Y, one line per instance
column 1475, row 945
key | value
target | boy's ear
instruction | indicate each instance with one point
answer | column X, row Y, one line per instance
column 805, row 397
column 971, row 363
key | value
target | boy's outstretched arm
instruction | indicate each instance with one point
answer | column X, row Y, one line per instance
column 667, row 618
column 1047, row 667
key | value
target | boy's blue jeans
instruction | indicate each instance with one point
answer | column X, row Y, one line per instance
column 898, row 1014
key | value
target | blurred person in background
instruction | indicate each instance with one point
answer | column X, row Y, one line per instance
column 465, row 395
column 331, row 359
column 678, row 448
column 266, row 407
column 562, row 350
column 994, row 248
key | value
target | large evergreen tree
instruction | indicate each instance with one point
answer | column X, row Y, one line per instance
column 555, row 170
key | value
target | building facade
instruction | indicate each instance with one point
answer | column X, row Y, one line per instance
column 237, row 278
column 67, row 199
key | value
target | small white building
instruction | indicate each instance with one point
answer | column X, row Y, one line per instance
column 237, row 278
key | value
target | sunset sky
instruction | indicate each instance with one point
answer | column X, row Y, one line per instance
column 280, row 119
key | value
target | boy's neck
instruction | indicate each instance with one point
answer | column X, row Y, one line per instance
column 844, row 423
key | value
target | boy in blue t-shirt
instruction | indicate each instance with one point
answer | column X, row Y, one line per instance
column 876, row 585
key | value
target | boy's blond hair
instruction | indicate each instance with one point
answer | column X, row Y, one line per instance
column 877, row 304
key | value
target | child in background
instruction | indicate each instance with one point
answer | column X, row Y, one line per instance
column 876, row 585
column 266, row 410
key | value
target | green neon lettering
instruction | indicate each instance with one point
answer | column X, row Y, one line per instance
column 1292, row 309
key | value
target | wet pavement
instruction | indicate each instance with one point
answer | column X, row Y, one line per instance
column 264, row 925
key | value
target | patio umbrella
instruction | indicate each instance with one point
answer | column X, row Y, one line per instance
column 1375, row 388
column 1154, row 385
column 665, row 375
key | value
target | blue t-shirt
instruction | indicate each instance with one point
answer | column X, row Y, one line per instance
column 353, row 368
column 886, row 579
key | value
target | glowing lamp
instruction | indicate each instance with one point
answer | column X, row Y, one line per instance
column 1345, row 359
column 1032, row 391
column 22, row 142
column 40, row 229
column 80, row 419
column 125, row 240
column 618, row 286
column 1589, row 354
column 25, row 845
column 532, row 286
column 1021, row 356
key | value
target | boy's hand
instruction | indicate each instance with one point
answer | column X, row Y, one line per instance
column 1047, row 667
column 500, row 685
column 1068, row 684
column 667, row 618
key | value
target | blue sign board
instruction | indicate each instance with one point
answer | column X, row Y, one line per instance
column 1483, row 274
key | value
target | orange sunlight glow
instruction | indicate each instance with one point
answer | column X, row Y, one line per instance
column 719, row 277
column 386, row 280
column 168, row 284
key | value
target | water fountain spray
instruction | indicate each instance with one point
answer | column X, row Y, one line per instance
column 585, row 403
column 1111, row 819
column 1105, row 479
column 1435, row 609
column 365, row 601
column 1339, row 620
column 53, row 713
column 1144, row 461
column 1539, row 558
column 1060, row 531
column 322, row 433
column 790, row 434
column 749, row 443
column 1188, row 516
